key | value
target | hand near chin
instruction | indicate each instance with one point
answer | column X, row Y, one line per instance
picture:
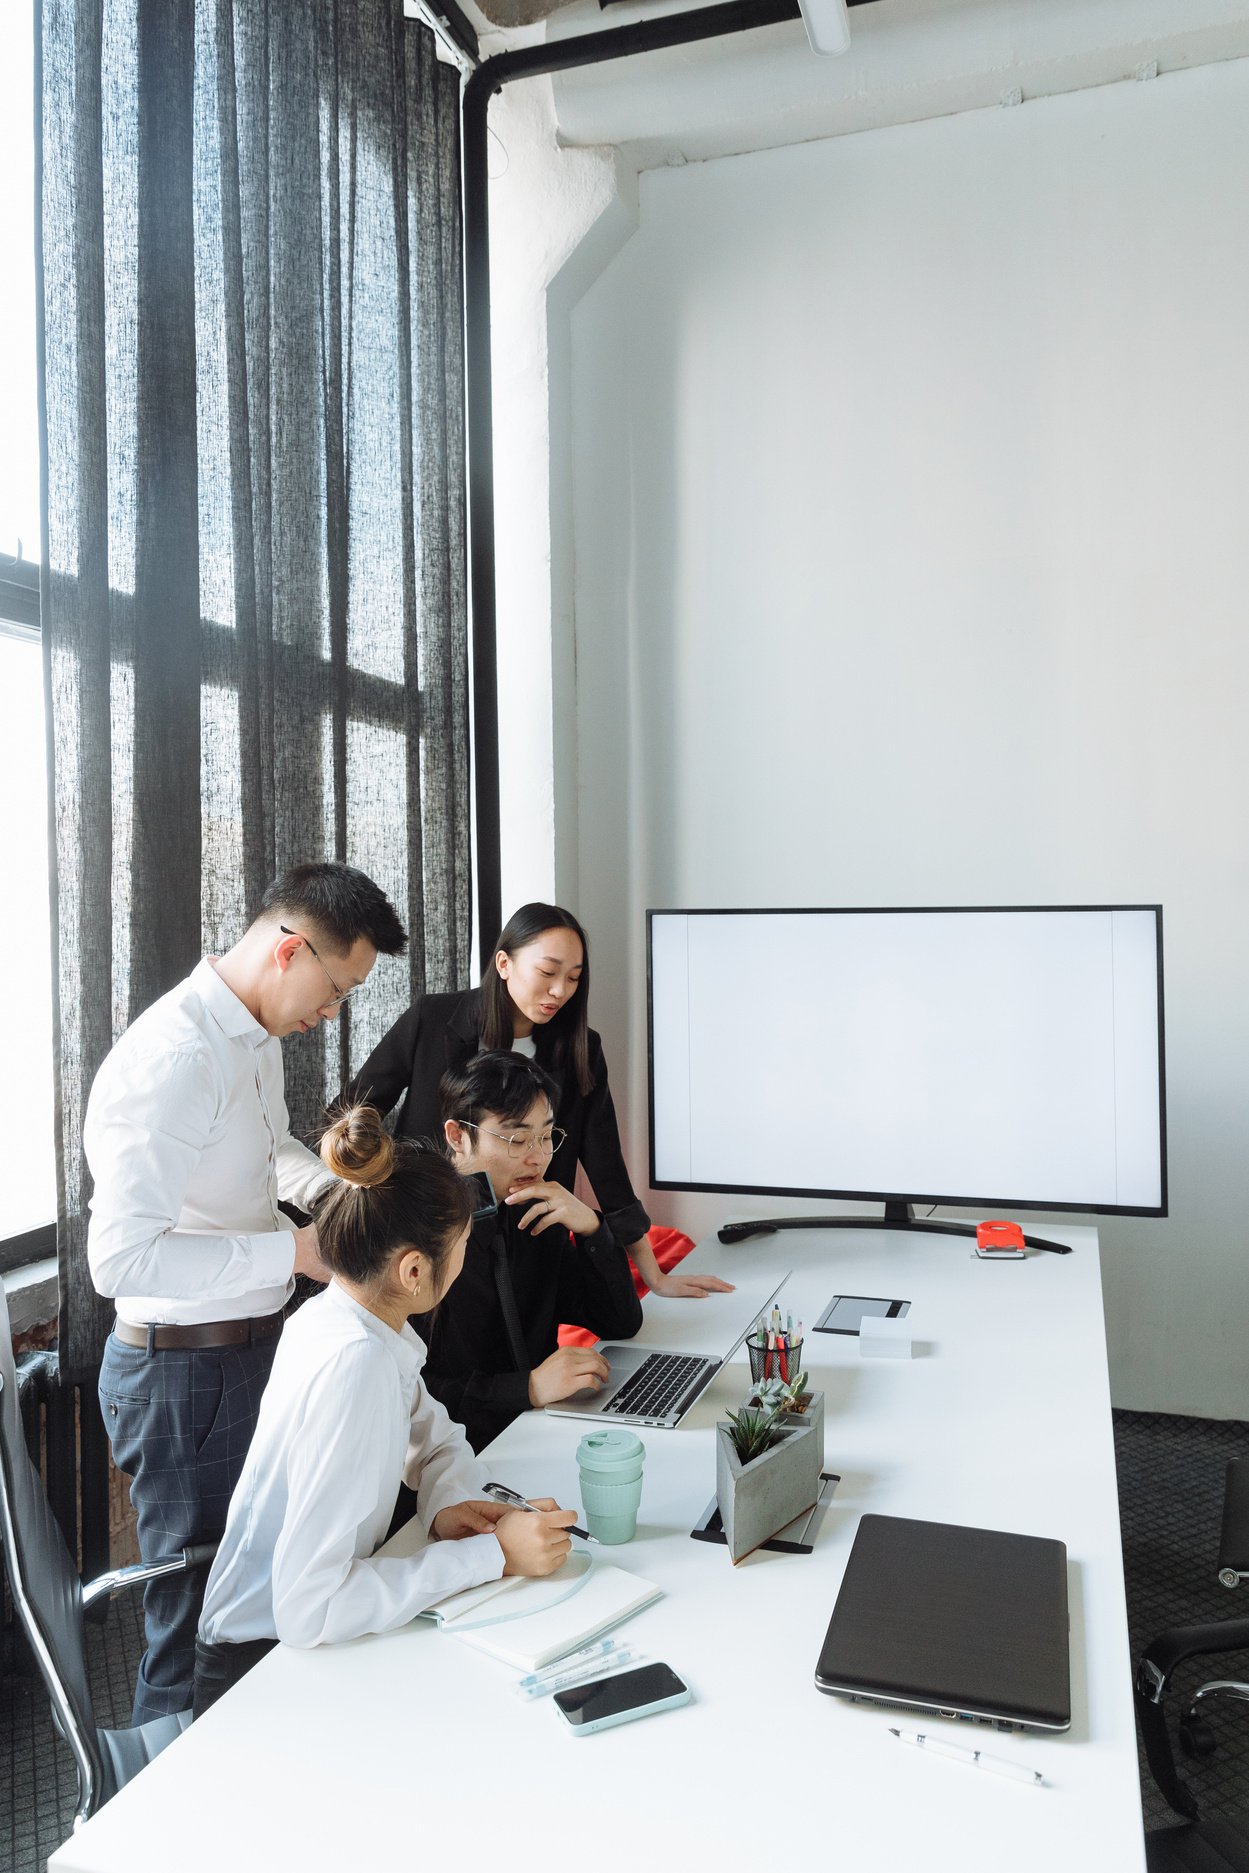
column 549, row 1204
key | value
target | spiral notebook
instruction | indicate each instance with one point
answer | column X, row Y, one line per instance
column 513, row 1598
column 605, row 1596
column 529, row 1623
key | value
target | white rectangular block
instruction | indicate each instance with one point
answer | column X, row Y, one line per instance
column 885, row 1339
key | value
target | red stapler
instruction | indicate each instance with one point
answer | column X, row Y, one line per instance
column 999, row 1241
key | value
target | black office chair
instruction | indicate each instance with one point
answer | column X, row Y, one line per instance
column 50, row 1601
column 1212, row 1846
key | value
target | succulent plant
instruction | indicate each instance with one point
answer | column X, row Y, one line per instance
column 753, row 1430
column 775, row 1396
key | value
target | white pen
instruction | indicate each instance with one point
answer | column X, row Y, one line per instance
column 996, row 1765
column 569, row 1663
column 604, row 1667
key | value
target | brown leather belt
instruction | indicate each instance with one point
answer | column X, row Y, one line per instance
column 203, row 1333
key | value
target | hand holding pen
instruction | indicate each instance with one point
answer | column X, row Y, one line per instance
column 499, row 1492
column 536, row 1544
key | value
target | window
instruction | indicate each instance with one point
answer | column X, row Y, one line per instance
column 28, row 1200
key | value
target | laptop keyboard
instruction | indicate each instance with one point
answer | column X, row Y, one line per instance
column 658, row 1386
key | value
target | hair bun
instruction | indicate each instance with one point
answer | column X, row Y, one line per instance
column 358, row 1148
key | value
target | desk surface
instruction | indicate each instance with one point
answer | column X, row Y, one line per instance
column 411, row 1748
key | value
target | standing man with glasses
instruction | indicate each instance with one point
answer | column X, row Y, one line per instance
column 189, row 1145
column 545, row 1257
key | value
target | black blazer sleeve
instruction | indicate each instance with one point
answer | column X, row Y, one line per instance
column 436, row 1032
column 599, row 1151
column 596, row 1288
column 483, row 1402
column 385, row 1076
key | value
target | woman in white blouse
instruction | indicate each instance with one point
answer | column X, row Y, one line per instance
column 345, row 1418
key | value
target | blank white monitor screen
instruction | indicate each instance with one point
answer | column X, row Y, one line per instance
column 1006, row 1057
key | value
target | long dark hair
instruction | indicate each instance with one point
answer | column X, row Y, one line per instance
column 394, row 1194
column 569, row 1030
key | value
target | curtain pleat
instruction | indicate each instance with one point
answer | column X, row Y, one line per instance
column 254, row 606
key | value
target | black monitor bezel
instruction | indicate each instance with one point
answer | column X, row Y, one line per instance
column 943, row 1200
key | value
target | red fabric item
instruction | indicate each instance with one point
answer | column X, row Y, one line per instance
column 670, row 1247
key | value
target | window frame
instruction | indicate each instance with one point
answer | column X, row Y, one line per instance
column 19, row 617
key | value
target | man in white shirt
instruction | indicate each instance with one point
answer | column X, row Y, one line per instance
column 189, row 1145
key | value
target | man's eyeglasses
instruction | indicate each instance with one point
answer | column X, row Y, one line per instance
column 339, row 996
column 520, row 1144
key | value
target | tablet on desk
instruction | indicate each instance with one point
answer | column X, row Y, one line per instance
column 846, row 1313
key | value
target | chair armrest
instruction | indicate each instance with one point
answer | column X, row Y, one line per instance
column 120, row 1579
column 1169, row 1649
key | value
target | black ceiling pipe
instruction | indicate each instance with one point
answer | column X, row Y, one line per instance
column 652, row 35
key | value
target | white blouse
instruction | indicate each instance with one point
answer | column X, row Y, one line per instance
column 344, row 1403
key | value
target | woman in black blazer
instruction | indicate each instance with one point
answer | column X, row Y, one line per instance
column 535, row 1000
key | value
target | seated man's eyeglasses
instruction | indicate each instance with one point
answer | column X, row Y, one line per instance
column 519, row 1144
column 339, row 996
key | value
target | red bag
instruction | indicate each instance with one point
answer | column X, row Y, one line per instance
column 670, row 1247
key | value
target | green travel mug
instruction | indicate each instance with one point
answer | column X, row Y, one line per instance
column 610, row 1465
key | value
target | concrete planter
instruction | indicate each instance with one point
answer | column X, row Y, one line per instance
column 759, row 1498
column 814, row 1416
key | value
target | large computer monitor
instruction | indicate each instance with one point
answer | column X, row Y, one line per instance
column 998, row 1059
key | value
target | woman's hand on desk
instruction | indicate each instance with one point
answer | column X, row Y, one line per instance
column 467, row 1518
column 551, row 1203
column 535, row 1544
column 689, row 1287
column 571, row 1369
column 676, row 1287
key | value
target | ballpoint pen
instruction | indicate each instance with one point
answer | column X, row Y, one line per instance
column 975, row 1758
column 572, row 1661
column 604, row 1667
column 501, row 1493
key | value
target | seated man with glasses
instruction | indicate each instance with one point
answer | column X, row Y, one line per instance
column 543, row 1258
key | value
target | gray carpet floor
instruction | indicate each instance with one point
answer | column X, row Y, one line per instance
column 1170, row 1504
column 1170, row 1512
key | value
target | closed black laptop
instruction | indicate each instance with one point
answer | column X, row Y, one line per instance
column 967, row 1622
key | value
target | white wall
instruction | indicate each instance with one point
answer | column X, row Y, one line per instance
column 911, row 559
column 555, row 219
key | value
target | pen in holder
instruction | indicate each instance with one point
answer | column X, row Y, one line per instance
column 779, row 1357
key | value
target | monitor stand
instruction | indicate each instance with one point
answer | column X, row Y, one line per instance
column 899, row 1214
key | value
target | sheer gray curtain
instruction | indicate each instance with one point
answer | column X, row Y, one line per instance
column 253, row 603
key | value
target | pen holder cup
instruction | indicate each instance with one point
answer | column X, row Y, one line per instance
column 770, row 1363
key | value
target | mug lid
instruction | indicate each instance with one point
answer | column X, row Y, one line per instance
column 600, row 1448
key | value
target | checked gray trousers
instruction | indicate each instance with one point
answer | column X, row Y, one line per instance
column 180, row 1424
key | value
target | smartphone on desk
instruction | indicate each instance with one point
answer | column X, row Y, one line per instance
column 642, row 1692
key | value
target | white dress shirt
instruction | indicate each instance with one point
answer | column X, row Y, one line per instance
column 343, row 1404
column 189, row 1143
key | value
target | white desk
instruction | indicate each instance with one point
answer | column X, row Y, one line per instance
column 411, row 1750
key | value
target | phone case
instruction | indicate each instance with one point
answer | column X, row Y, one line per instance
column 627, row 1716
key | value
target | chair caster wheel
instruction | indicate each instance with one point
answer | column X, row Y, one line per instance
column 1197, row 1739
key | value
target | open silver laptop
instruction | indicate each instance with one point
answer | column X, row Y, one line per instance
column 654, row 1385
